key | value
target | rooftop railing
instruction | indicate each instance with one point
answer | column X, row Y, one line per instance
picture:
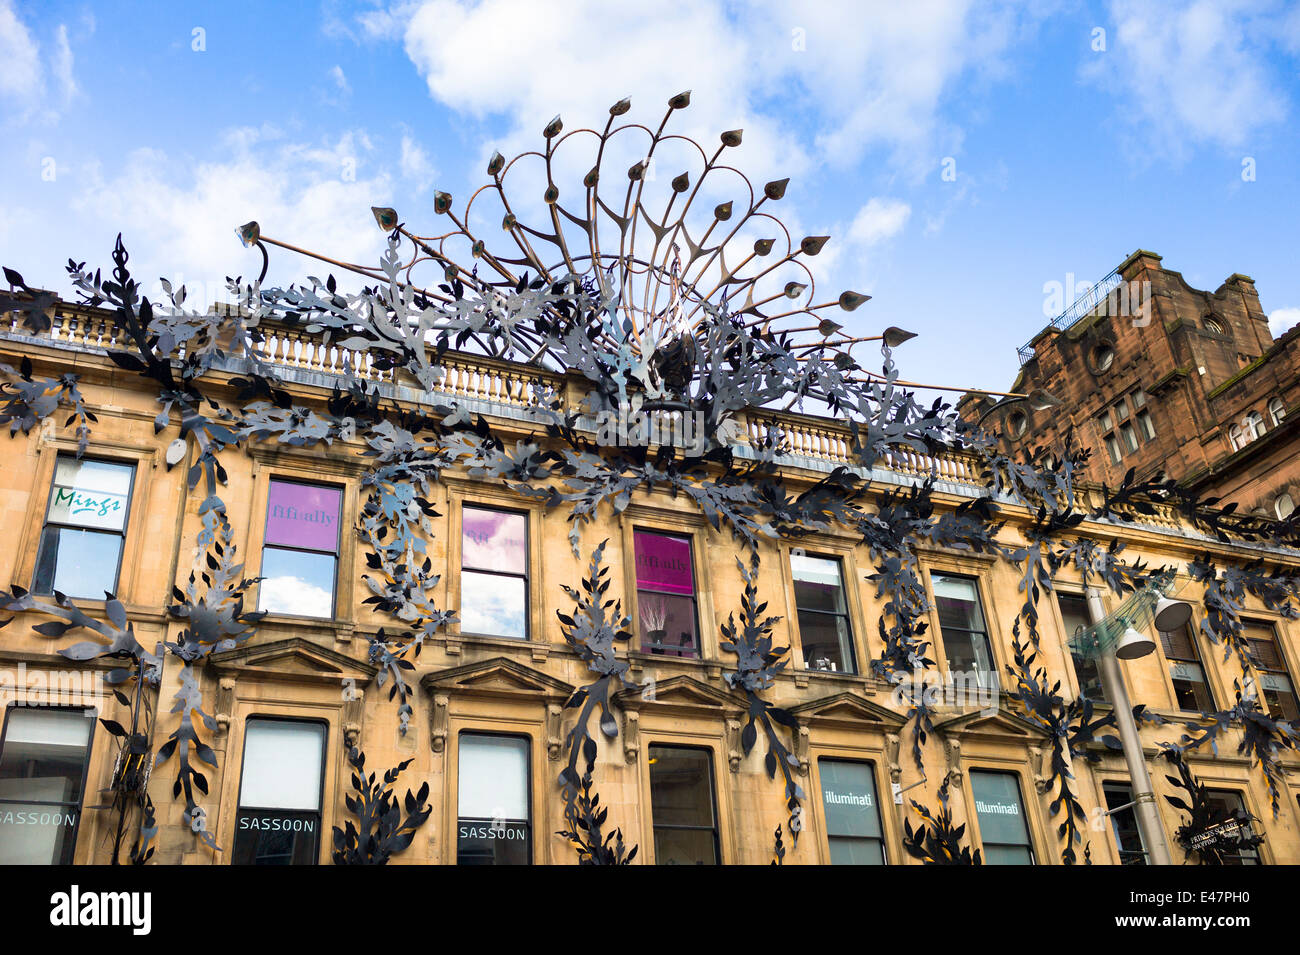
column 1083, row 306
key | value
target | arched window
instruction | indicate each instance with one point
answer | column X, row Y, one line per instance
column 1283, row 506
column 1276, row 411
column 1212, row 325
column 1234, row 438
column 1253, row 425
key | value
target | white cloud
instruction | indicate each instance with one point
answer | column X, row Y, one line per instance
column 1281, row 320
column 863, row 76
column 62, row 65
column 1191, row 74
column 416, row 166
column 340, row 79
column 178, row 214
column 878, row 220
column 21, row 74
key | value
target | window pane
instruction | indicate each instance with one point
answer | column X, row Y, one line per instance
column 681, row 787
column 90, row 494
column 825, row 640
column 44, row 754
column 78, row 562
column 282, row 765
column 297, row 582
column 493, row 777
column 1128, row 838
column 493, row 540
column 303, row 515
column 957, row 601
column 663, row 563
column 1007, row 855
column 492, row 801
column 817, row 584
column 667, row 624
column 849, row 798
column 1130, row 439
column 1001, row 818
column 493, row 605
column 34, row 834
column 1223, row 802
column 856, row 851
column 276, row 837
column 685, row 847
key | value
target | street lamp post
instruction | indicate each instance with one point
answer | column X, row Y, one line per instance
column 1144, row 800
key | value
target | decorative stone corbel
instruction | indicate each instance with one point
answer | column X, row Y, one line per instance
column 439, row 722
column 893, row 743
column 631, row 735
column 353, row 714
column 225, row 703
column 554, row 715
column 1042, row 777
column 952, row 752
column 801, row 748
column 540, row 651
column 452, row 645
column 733, row 744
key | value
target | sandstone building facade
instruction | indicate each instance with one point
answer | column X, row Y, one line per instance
column 1172, row 381
column 488, row 722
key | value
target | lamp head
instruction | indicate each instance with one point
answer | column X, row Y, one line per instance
column 1133, row 645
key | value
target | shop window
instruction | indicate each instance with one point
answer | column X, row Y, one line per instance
column 665, row 594
column 1074, row 614
column 1191, row 689
column 44, row 753
column 494, row 573
column 1124, row 824
column 80, row 552
column 279, row 817
column 1001, row 815
column 492, row 802
column 683, row 809
column 964, row 632
column 1224, row 802
column 300, row 553
column 819, row 597
column 852, row 812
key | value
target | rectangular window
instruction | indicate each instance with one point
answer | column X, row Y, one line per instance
column 1124, row 824
column 1001, row 815
column 300, row 553
column 1191, row 690
column 1276, row 689
column 278, row 821
column 493, row 801
column 85, row 525
column 1130, row 438
column 852, row 812
column 1074, row 614
column 682, row 808
column 961, row 624
column 665, row 594
column 1112, row 448
column 823, row 614
column 493, row 572
column 1224, row 801
column 43, row 758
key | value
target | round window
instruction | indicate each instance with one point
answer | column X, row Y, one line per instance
column 1283, row 506
column 1213, row 325
column 1103, row 356
column 1017, row 423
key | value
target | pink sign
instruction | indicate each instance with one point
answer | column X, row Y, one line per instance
column 493, row 540
column 663, row 563
column 303, row 515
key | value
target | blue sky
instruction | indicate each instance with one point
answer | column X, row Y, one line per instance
column 1073, row 133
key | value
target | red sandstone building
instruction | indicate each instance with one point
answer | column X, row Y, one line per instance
column 1155, row 375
